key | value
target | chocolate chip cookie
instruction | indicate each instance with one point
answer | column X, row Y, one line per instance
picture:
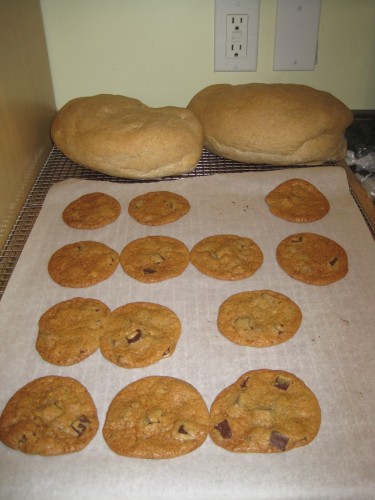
column 82, row 264
column 258, row 318
column 91, row 211
column 312, row 258
column 70, row 331
column 156, row 417
column 265, row 411
column 140, row 334
column 227, row 257
column 158, row 207
column 297, row 200
column 49, row 416
column 154, row 258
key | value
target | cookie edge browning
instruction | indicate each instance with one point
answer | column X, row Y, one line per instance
column 173, row 217
column 22, row 392
column 156, row 455
column 227, row 277
column 300, row 276
column 241, row 382
column 80, row 225
column 222, row 325
column 297, row 219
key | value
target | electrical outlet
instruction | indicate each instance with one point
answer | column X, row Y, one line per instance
column 236, row 35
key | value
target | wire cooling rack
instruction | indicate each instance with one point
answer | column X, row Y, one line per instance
column 58, row 168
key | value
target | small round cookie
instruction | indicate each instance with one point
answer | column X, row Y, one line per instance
column 156, row 417
column 154, row 258
column 158, row 207
column 70, row 331
column 91, row 211
column 259, row 318
column 297, row 200
column 227, row 257
column 265, row 411
column 140, row 334
column 312, row 258
column 82, row 264
column 51, row 415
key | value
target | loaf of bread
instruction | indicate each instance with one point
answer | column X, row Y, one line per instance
column 279, row 124
column 123, row 137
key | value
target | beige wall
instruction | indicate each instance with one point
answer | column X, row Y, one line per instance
column 162, row 51
column 26, row 105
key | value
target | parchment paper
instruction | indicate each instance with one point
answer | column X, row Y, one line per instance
column 333, row 351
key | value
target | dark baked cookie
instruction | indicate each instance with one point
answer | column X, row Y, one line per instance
column 265, row 411
column 70, row 331
column 49, row 416
column 227, row 257
column 82, row 264
column 140, row 334
column 154, row 258
column 156, row 417
column 91, row 211
column 158, row 207
column 259, row 318
column 312, row 258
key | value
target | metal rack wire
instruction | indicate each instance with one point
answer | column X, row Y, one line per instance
column 58, row 168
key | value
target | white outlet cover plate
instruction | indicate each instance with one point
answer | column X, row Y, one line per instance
column 296, row 35
column 236, row 7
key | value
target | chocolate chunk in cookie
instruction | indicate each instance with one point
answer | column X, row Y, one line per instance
column 49, row 416
column 140, row 334
column 156, row 417
column 265, row 411
column 158, row 207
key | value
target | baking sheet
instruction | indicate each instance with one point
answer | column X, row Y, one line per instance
column 333, row 351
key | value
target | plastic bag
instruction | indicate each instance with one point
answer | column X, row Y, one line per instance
column 363, row 165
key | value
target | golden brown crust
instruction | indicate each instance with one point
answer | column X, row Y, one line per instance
column 297, row 200
column 227, row 257
column 158, row 207
column 280, row 124
column 259, row 318
column 154, row 258
column 71, row 330
column 265, row 411
column 156, row 417
column 49, row 416
column 312, row 258
column 140, row 334
column 121, row 136
column 91, row 211
column 82, row 264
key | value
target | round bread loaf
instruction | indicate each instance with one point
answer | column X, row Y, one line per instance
column 123, row 137
column 279, row 124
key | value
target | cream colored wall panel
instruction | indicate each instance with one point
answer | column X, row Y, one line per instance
column 162, row 51
column 26, row 104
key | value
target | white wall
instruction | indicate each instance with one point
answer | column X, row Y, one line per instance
column 162, row 51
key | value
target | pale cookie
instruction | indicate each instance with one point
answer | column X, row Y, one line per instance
column 297, row 200
column 258, row 318
column 265, row 411
column 156, row 417
column 140, row 334
column 312, row 258
column 82, row 264
column 158, row 207
column 70, row 331
column 154, row 258
column 227, row 257
column 49, row 416
column 91, row 211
